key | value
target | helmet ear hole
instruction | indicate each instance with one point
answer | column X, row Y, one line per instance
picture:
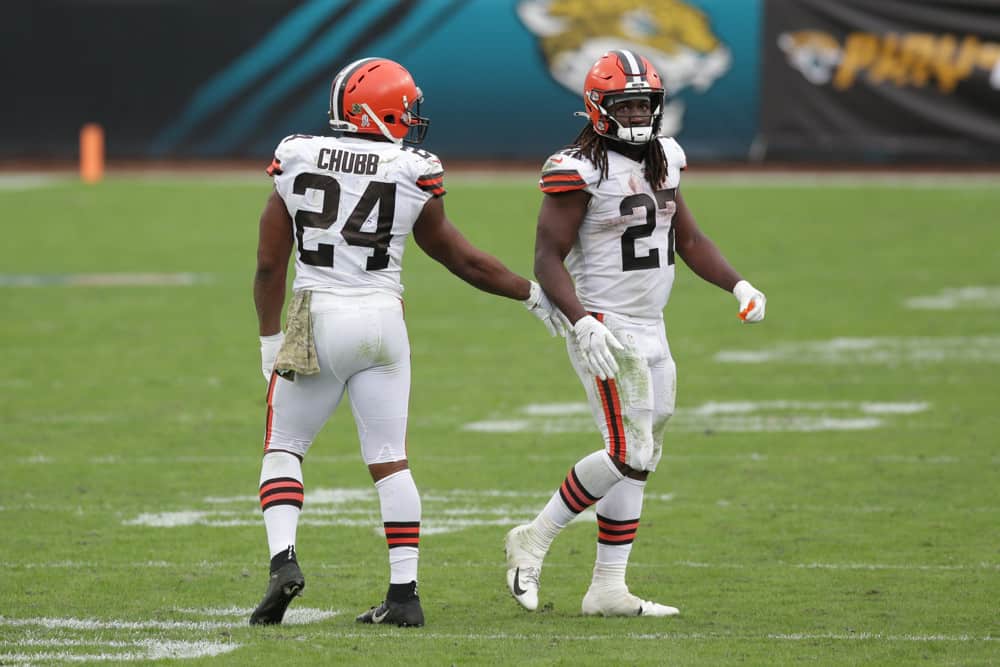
column 389, row 118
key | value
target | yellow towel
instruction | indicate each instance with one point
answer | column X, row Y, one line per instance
column 298, row 353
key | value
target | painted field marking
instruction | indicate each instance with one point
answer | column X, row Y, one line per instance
column 878, row 351
column 29, row 181
column 446, row 511
column 735, row 416
column 102, row 279
column 116, row 649
column 952, row 298
column 303, row 615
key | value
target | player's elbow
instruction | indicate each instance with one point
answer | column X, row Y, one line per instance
column 546, row 262
column 268, row 272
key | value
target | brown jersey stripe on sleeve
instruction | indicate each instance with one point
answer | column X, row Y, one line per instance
column 432, row 183
column 562, row 187
column 561, row 172
column 431, row 178
column 561, row 180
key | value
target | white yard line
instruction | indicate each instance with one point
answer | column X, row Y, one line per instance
column 238, row 611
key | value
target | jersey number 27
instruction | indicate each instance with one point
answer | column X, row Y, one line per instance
column 652, row 259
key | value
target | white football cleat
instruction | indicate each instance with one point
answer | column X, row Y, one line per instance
column 620, row 602
column 524, row 566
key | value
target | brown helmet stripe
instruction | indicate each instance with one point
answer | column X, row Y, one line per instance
column 340, row 85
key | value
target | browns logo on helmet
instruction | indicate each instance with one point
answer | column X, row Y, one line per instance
column 377, row 96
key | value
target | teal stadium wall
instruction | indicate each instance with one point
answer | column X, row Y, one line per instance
column 182, row 79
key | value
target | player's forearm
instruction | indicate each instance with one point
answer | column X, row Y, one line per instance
column 557, row 284
column 269, row 299
column 487, row 273
column 708, row 263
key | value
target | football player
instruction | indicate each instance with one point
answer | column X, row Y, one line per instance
column 612, row 222
column 345, row 205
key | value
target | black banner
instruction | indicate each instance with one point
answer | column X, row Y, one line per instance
column 130, row 65
column 886, row 81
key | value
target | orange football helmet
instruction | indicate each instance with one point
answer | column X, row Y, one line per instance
column 377, row 96
column 616, row 76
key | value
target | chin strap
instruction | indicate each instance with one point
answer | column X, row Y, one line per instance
column 346, row 126
column 379, row 124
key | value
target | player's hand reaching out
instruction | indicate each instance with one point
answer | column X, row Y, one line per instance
column 596, row 342
column 752, row 302
column 539, row 305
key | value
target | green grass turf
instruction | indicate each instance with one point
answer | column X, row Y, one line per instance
column 874, row 546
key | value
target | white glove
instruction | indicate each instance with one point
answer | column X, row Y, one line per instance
column 539, row 305
column 752, row 302
column 596, row 343
column 269, row 346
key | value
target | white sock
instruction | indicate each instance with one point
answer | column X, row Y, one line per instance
column 618, row 515
column 608, row 575
column 400, row 502
column 281, row 496
column 585, row 483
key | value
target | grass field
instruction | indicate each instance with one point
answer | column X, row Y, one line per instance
column 828, row 494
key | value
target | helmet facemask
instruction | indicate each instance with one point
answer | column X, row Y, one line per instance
column 416, row 123
column 613, row 128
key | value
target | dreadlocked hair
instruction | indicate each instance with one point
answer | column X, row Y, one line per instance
column 593, row 146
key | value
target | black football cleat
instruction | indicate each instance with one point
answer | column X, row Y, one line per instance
column 285, row 583
column 407, row 614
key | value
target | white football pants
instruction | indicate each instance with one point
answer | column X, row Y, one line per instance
column 632, row 410
column 362, row 346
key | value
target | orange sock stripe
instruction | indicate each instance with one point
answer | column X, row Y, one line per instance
column 272, row 498
column 402, row 533
column 616, row 531
column 604, row 538
column 571, row 502
column 281, row 491
column 617, row 526
column 286, row 484
column 574, row 495
column 578, row 487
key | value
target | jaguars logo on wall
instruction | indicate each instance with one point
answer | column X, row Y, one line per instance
column 674, row 35
column 900, row 59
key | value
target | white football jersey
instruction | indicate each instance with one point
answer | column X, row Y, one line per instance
column 352, row 202
column 623, row 258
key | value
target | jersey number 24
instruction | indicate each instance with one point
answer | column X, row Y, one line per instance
column 377, row 193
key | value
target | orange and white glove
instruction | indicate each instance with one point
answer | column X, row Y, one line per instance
column 752, row 302
column 269, row 346
column 539, row 305
column 596, row 343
